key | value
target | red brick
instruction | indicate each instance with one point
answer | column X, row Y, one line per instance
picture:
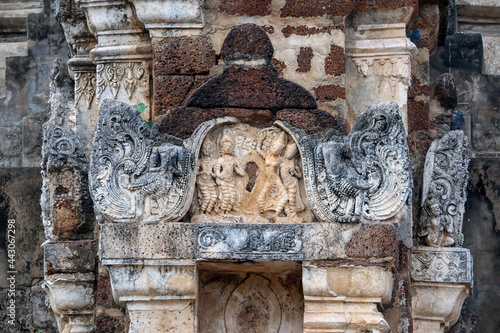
column 104, row 297
column 303, row 30
column 171, row 91
column 182, row 121
column 311, row 121
column 417, row 88
column 418, row 116
column 246, row 7
column 335, row 62
column 183, row 55
column 280, row 66
column 304, row 59
column 373, row 240
column 364, row 6
column 307, row 8
column 251, row 89
column 329, row 93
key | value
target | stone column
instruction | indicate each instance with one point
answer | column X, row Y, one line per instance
column 442, row 279
column 159, row 295
column 345, row 299
column 378, row 68
column 123, row 53
column 182, row 56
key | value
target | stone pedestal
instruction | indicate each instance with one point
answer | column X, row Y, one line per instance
column 345, row 299
column 378, row 67
column 442, row 279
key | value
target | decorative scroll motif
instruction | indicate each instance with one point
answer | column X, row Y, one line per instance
column 444, row 190
column 281, row 242
column 243, row 241
column 85, row 85
column 256, row 176
column 137, row 174
column 441, row 265
column 129, row 177
column 365, row 174
column 61, row 145
column 114, row 75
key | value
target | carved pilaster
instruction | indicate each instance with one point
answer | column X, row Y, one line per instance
column 72, row 300
column 378, row 67
column 345, row 299
column 159, row 294
column 122, row 55
column 442, row 279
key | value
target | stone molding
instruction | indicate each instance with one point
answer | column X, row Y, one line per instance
column 163, row 18
column 345, row 298
column 442, row 281
column 158, row 295
column 72, row 300
column 430, row 264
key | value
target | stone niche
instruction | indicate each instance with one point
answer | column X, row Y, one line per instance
column 242, row 211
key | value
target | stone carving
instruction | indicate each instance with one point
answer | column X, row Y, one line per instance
column 441, row 265
column 253, row 307
column 365, row 174
column 61, row 145
column 115, row 75
column 290, row 173
column 207, row 188
column 444, row 190
column 226, row 167
column 256, row 176
column 243, row 241
column 85, row 85
column 273, row 184
column 131, row 163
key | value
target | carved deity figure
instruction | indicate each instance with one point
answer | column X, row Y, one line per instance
column 274, row 195
column 156, row 184
column 207, row 188
column 441, row 226
column 225, row 169
column 290, row 174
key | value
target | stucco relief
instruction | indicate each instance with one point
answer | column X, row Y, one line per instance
column 247, row 174
column 444, row 190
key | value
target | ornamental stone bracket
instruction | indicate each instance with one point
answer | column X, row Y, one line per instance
column 378, row 67
column 442, row 281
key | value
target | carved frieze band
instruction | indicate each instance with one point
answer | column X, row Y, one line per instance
column 250, row 241
column 397, row 66
column 441, row 265
column 117, row 75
